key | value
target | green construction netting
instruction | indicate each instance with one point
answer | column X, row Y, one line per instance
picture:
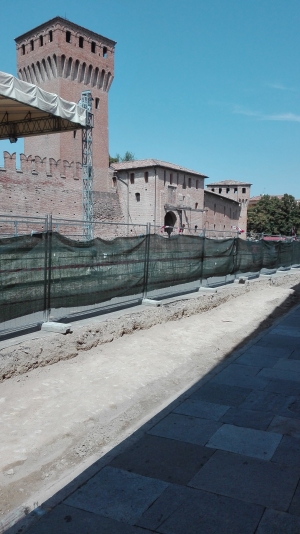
column 51, row 271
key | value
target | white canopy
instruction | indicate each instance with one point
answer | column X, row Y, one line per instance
column 27, row 110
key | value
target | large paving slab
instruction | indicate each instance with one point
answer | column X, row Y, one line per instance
column 246, row 376
column 66, row 519
column 167, row 459
column 222, row 393
column 279, row 341
column 202, row 409
column 117, row 494
column 185, row 428
column 284, row 387
column 265, row 401
column 179, row 511
column 285, row 425
column 249, row 479
column 288, row 452
column 247, row 441
column 248, row 418
column 274, row 522
column 278, row 374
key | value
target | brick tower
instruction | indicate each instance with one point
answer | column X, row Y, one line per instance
column 66, row 59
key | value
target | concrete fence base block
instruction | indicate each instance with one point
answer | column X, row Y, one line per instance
column 241, row 280
column 208, row 289
column 150, row 302
column 61, row 328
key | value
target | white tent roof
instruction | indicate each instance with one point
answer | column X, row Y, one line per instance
column 27, row 110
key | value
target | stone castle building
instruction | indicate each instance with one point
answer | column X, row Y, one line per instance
column 66, row 59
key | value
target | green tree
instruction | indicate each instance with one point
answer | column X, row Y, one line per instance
column 128, row 156
column 273, row 215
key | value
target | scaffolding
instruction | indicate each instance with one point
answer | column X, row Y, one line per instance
column 87, row 167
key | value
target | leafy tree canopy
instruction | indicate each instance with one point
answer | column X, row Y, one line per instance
column 273, row 215
column 128, row 156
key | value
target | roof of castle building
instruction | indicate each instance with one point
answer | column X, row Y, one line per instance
column 229, row 182
column 143, row 163
column 208, row 192
column 66, row 23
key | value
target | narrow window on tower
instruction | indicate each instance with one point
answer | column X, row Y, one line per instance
column 146, row 175
column 23, row 50
column 104, row 51
column 74, row 134
column 97, row 102
column 244, row 190
column 220, row 190
column 80, row 42
column 190, row 182
column 138, row 197
column 132, row 178
column 50, row 36
column 197, row 184
column 68, row 37
column 93, row 47
column 171, row 179
column 41, row 40
column 32, row 44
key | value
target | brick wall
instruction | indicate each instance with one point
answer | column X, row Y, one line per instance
column 40, row 187
column 220, row 213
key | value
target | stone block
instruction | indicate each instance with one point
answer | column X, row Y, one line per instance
column 117, row 494
column 202, row 409
column 249, row 479
column 166, row 459
column 246, row 441
column 60, row 328
column 185, row 428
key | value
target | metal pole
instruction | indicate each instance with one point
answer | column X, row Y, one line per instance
column 203, row 256
column 46, row 318
column 49, row 267
column 146, row 263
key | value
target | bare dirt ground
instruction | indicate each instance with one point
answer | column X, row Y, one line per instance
column 111, row 377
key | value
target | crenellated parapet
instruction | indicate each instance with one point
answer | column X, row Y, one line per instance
column 38, row 166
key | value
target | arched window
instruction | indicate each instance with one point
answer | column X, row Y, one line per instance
column 80, row 42
column 97, row 102
column 32, row 44
column 104, row 51
column 41, row 40
column 50, row 36
column 68, row 36
column 93, row 47
column 23, row 50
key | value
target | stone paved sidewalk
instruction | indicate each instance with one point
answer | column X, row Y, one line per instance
column 225, row 460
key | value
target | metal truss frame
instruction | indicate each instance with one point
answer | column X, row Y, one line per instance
column 31, row 126
column 87, row 167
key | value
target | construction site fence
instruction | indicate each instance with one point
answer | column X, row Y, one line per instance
column 46, row 270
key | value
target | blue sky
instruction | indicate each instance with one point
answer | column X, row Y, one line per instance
column 211, row 85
